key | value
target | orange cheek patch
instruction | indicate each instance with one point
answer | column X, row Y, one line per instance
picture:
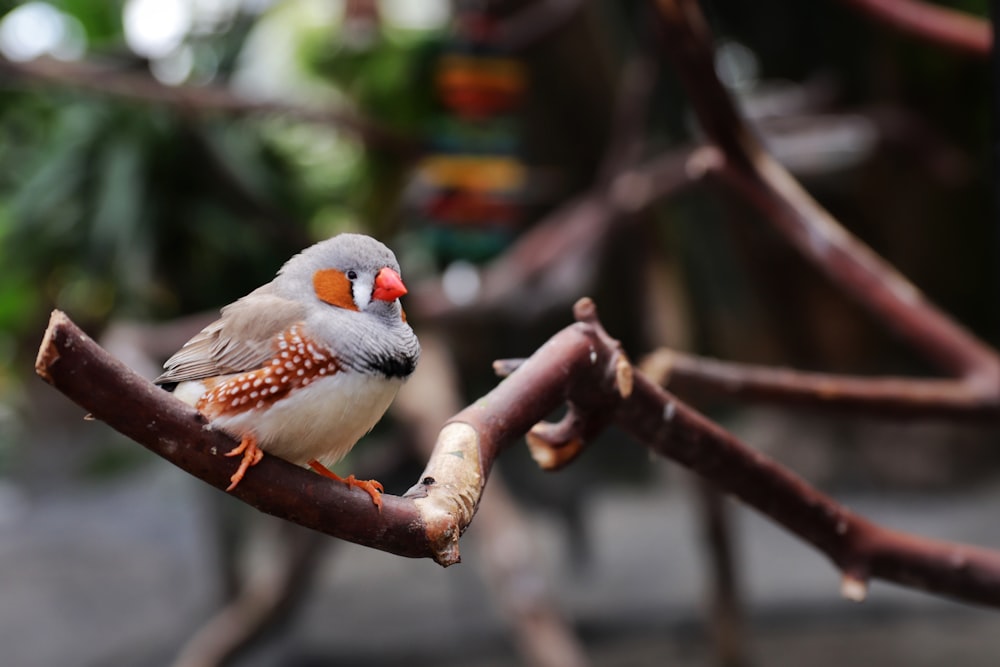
column 333, row 287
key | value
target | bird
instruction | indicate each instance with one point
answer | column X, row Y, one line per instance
column 305, row 365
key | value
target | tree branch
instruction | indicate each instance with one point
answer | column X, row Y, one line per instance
column 509, row 554
column 265, row 600
column 859, row 547
column 426, row 522
column 760, row 180
column 558, row 254
column 137, row 87
column 581, row 365
column 73, row 363
column 690, row 374
column 945, row 27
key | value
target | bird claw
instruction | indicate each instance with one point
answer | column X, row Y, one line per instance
column 372, row 487
column 252, row 454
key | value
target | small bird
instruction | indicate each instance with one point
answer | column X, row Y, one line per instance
column 304, row 366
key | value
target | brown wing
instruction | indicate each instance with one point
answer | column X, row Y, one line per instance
column 239, row 341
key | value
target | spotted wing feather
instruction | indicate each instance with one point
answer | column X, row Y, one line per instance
column 240, row 340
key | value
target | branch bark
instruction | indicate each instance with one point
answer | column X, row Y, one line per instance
column 581, row 365
column 945, row 27
column 509, row 553
column 426, row 522
column 859, row 547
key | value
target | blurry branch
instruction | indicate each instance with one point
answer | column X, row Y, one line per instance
column 581, row 366
column 519, row 584
column 628, row 132
column 948, row 28
column 508, row 553
column 921, row 142
column 431, row 396
column 143, row 345
column 728, row 625
column 745, row 167
column 692, row 375
column 560, row 253
column 265, row 600
column 279, row 225
column 859, row 272
column 535, row 22
column 141, row 87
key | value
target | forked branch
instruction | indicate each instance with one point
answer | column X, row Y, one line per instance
column 761, row 181
column 581, row 365
column 746, row 169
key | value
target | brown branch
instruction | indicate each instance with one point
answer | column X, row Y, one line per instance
column 556, row 256
column 509, row 553
column 546, row 266
column 760, row 180
column 637, row 83
column 73, row 363
column 728, row 626
column 859, row 547
column 945, row 27
column 691, row 375
column 265, row 601
column 510, row 562
column 137, row 87
column 426, row 522
column 580, row 364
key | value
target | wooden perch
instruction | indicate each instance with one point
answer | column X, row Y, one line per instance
column 426, row 522
column 580, row 365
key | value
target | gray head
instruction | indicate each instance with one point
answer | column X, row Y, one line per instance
column 349, row 271
column 353, row 281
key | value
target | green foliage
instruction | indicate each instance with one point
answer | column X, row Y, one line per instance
column 101, row 20
column 119, row 200
column 111, row 208
column 387, row 78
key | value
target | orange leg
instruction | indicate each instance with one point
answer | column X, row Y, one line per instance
column 252, row 454
column 370, row 486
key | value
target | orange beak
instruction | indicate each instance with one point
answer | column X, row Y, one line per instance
column 388, row 285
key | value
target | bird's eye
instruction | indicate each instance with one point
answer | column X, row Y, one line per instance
column 352, row 275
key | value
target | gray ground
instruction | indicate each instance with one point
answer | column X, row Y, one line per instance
column 118, row 573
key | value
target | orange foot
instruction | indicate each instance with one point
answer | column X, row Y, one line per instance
column 370, row 486
column 252, row 454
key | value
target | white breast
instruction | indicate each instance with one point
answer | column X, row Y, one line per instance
column 320, row 421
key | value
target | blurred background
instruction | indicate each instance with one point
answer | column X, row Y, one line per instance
column 161, row 158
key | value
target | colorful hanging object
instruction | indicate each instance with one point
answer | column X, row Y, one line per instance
column 468, row 191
